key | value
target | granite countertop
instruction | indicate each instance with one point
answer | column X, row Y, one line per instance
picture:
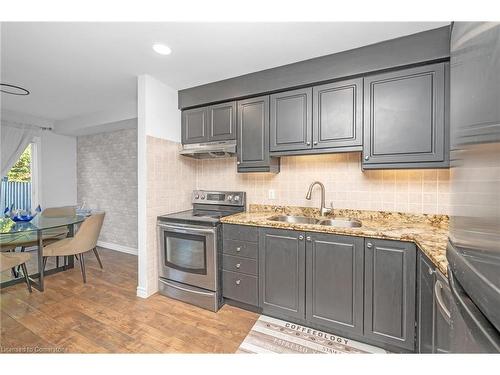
column 429, row 232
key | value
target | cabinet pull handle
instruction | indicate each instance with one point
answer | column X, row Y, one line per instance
column 438, row 287
column 238, row 162
column 238, row 265
column 238, row 282
column 431, row 271
column 238, row 249
column 308, row 238
column 315, row 143
column 369, row 245
column 301, row 237
column 308, row 143
column 367, row 157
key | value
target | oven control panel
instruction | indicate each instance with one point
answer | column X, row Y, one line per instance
column 232, row 198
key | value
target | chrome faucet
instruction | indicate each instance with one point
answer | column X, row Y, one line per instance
column 322, row 209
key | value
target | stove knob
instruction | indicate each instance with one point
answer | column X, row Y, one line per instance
column 202, row 197
column 236, row 198
column 230, row 198
column 196, row 196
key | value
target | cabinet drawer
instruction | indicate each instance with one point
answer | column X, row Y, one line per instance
column 240, row 248
column 240, row 232
column 242, row 288
column 238, row 264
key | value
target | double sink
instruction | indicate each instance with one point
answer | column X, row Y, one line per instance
column 335, row 222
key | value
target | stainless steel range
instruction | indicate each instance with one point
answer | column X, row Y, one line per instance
column 190, row 248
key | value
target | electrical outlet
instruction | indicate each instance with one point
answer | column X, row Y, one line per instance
column 271, row 194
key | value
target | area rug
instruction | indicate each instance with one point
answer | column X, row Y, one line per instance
column 270, row 335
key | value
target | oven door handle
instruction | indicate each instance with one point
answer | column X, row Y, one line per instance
column 187, row 230
column 186, row 289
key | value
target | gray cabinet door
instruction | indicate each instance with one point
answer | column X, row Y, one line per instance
column 338, row 114
column 390, row 270
column 425, row 304
column 334, row 285
column 253, row 134
column 282, row 273
column 404, row 119
column 291, row 120
column 194, row 125
column 222, row 122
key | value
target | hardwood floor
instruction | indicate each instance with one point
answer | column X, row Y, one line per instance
column 105, row 316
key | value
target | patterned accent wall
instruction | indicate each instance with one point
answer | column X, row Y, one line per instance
column 107, row 181
column 347, row 186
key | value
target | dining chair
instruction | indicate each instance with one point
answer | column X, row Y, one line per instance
column 11, row 260
column 85, row 240
column 53, row 234
column 6, row 249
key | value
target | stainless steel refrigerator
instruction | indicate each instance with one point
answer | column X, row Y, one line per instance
column 474, row 243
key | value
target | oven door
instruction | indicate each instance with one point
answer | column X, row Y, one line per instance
column 188, row 254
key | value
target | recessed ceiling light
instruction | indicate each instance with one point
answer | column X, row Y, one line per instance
column 162, row 49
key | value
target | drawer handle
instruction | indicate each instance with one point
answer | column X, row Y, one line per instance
column 238, row 282
column 238, row 265
column 238, row 249
column 369, row 245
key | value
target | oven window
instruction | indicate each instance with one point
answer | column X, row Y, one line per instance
column 185, row 252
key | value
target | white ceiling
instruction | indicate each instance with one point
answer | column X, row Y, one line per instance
column 74, row 69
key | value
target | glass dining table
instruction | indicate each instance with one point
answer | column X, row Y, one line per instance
column 33, row 234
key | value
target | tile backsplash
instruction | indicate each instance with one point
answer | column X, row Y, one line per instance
column 347, row 186
column 170, row 180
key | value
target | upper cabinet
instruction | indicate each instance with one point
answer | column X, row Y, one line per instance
column 253, row 136
column 338, row 115
column 213, row 123
column 222, row 122
column 194, row 125
column 326, row 118
column 405, row 118
column 291, row 120
column 398, row 119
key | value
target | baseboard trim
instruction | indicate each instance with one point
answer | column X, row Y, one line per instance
column 116, row 247
column 141, row 292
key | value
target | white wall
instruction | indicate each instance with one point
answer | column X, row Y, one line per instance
column 58, row 170
column 159, row 117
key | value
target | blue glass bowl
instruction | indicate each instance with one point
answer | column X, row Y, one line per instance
column 22, row 218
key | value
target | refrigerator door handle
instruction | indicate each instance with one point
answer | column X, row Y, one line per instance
column 471, row 315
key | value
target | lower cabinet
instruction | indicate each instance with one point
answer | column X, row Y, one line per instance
column 334, row 285
column 390, row 273
column 433, row 298
column 281, row 273
column 240, row 274
column 341, row 284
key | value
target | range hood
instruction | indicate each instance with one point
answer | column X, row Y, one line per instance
column 210, row 150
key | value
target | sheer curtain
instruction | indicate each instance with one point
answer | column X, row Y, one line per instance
column 14, row 140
